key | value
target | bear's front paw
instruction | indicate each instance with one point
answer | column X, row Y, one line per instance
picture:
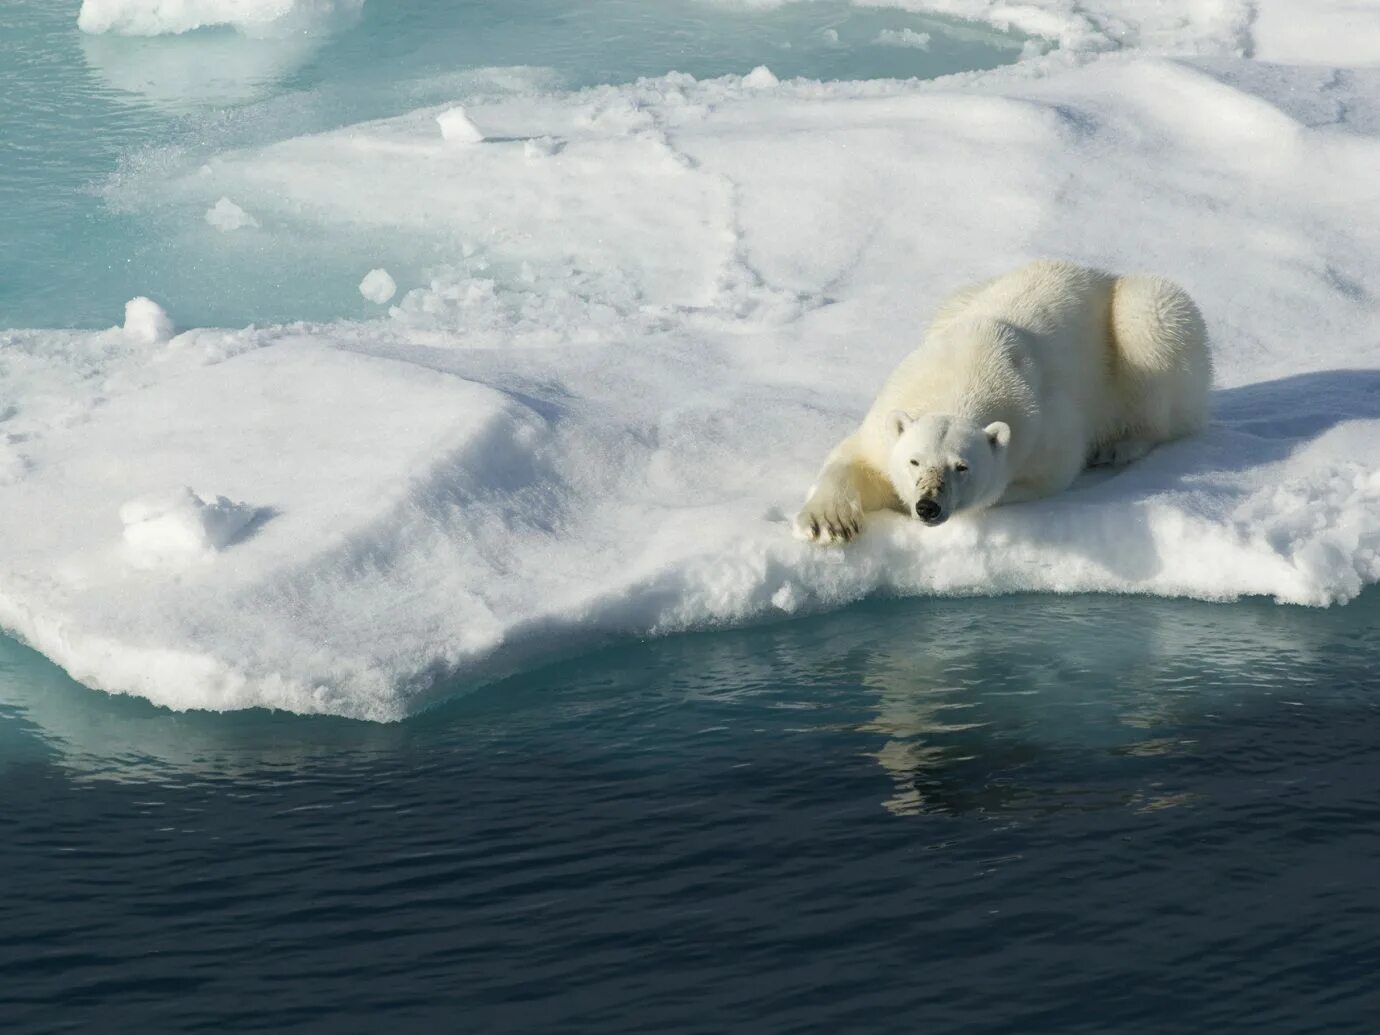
column 832, row 520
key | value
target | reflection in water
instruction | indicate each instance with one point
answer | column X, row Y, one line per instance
column 1013, row 706
column 48, row 718
column 200, row 70
column 966, row 701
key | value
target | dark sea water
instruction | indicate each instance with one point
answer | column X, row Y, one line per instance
column 1032, row 814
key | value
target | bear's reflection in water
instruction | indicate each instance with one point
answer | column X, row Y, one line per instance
column 1009, row 705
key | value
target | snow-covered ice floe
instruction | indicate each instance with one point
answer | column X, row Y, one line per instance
column 596, row 420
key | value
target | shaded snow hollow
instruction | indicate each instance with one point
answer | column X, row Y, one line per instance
column 597, row 419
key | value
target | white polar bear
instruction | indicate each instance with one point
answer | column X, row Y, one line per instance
column 1021, row 382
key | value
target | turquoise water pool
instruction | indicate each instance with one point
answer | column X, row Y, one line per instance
column 86, row 114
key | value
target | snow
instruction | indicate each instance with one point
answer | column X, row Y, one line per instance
column 761, row 77
column 225, row 216
column 146, row 321
column 252, row 17
column 457, row 127
column 1304, row 32
column 596, row 413
column 377, row 286
column 180, row 527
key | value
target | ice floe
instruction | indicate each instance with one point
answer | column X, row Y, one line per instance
column 594, row 414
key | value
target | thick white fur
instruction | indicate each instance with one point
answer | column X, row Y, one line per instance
column 1023, row 380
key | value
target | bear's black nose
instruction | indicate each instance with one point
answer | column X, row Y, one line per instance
column 927, row 510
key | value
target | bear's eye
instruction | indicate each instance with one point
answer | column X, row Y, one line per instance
column 915, row 463
column 960, row 468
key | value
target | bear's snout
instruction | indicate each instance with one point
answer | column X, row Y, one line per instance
column 928, row 511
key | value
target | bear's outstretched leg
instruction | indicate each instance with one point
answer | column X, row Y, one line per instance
column 845, row 490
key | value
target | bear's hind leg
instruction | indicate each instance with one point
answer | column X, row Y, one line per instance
column 1119, row 452
column 1161, row 364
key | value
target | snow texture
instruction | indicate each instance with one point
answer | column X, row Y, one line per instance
column 378, row 287
column 595, row 416
column 252, row 17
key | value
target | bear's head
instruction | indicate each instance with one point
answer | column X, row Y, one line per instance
column 941, row 465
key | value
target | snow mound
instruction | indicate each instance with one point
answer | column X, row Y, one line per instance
column 225, row 216
column 457, row 127
column 169, row 529
column 378, row 286
column 595, row 416
column 760, row 78
column 252, row 17
column 146, row 321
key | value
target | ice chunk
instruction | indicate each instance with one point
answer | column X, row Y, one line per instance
column 457, row 127
column 179, row 527
column 225, row 216
column 903, row 38
column 760, row 77
column 254, row 17
column 146, row 321
column 377, row 286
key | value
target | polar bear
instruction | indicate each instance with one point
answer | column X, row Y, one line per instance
column 1020, row 383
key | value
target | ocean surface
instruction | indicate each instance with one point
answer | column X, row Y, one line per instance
column 1028, row 814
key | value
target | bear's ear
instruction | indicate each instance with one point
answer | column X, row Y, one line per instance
column 898, row 421
column 998, row 433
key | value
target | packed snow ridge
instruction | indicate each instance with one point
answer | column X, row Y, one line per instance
column 655, row 306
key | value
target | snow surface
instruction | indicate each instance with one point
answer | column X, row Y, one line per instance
column 596, row 416
column 252, row 17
